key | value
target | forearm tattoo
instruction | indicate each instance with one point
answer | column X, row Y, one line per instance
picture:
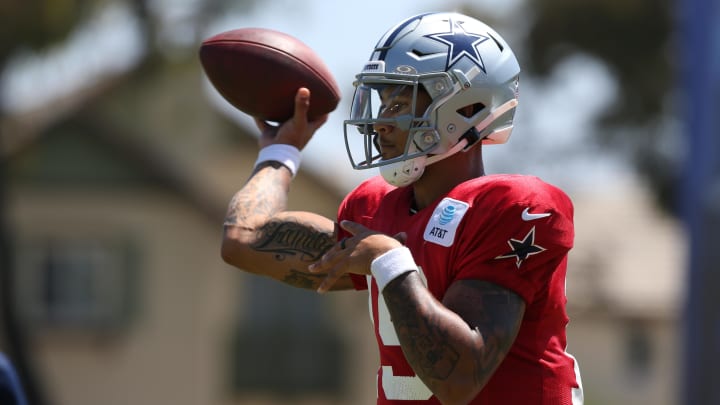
column 501, row 314
column 303, row 279
column 432, row 352
column 255, row 208
column 292, row 238
column 425, row 337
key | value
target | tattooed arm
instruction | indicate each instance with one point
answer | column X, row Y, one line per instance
column 260, row 236
column 454, row 346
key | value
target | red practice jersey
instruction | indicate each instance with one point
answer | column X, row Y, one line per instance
column 511, row 230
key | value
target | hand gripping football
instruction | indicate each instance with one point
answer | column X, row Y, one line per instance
column 259, row 71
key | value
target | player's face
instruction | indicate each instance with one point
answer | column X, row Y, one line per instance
column 397, row 101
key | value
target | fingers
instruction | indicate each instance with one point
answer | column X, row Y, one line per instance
column 353, row 227
column 332, row 263
column 302, row 104
column 331, row 278
column 358, row 229
column 354, row 254
column 297, row 131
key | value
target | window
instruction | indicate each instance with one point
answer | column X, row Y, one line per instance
column 84, row 283
column 639, row 350
column 285, row 345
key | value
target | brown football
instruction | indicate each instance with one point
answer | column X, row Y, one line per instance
column 259, row 70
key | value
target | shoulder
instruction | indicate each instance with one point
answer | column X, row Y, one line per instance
column 510, row 206
column 514, row 222
column 516, row 186
column 366, row 196
column 371, row 189
column 499, row 191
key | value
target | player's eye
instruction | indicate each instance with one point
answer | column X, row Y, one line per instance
column 393, row 108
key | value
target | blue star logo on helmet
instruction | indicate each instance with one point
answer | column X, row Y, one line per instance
column 461, row 44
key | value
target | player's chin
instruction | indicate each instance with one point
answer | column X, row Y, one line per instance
column 388, row 152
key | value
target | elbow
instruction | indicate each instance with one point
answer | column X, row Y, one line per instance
column 231, row 249
column 226, row 251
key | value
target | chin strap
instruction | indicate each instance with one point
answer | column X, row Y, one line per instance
column 455, row 149
column 494, row 114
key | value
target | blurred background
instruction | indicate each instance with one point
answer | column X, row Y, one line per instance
column 118, row 160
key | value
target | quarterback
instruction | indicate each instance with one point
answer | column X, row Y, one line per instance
column 465, row 271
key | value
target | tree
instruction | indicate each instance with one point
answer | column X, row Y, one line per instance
column 634, row 38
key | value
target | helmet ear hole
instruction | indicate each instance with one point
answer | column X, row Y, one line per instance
column 426, row 140
column 471, row 109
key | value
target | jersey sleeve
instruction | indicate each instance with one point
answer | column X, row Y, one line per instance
column 516, row 237
column 357, row 206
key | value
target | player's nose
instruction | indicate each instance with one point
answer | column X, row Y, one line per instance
column 382, row 128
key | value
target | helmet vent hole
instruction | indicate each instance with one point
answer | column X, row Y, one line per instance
column 420, row 53
column 496, row 42
column 470, row 110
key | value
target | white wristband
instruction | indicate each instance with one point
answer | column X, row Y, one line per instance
column 391, row 265
column 287, row 155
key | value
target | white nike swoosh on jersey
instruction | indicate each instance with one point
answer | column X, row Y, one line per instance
column 527, row 216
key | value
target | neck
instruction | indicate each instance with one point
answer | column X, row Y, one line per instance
column 441, row 177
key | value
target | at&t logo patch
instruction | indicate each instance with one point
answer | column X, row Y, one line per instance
column 444, row 221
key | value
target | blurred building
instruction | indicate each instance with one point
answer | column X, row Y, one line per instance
column 117, row 198
column 625, row 288
column 117, row 201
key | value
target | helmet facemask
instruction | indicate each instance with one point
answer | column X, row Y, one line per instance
column 366, row 113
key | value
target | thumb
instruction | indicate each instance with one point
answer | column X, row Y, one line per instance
column 302, row 103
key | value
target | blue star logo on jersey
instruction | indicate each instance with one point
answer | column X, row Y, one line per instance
column 461, row 44
column 522, row 249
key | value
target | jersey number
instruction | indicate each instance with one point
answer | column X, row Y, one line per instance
column 396, row 388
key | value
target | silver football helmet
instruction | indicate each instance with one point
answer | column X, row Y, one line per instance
column 460, row 62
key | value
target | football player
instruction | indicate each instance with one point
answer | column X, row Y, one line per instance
column 465, row 271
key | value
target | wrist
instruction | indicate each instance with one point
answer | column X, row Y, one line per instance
column 391, row 265
column 287, row 155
